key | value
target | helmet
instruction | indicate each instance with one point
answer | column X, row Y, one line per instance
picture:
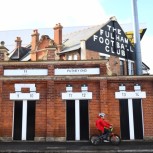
column 102, row 114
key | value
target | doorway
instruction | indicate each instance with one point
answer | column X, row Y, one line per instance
column 136, row 129
column 82, row 122
column 19, row 110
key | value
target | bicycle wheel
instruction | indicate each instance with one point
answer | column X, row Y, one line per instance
column 95, row 140
column 115, row 139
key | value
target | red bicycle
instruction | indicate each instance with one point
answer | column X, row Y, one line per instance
column 111, row 137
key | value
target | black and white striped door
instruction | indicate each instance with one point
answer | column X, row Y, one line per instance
column 24, row 120
column 131, row 120
column 77, row 120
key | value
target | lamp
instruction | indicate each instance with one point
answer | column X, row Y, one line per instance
column 69, row 88
column 122, row 87
column 137, row 87
column 84, row 88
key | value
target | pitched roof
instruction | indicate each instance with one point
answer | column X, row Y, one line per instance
column 19, row 53
column 72, row 40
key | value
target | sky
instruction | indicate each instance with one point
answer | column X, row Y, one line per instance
column 35, row 14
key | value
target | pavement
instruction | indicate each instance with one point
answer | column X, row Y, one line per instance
column 75, row 147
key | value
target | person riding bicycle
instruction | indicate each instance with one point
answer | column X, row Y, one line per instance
column 102, row 125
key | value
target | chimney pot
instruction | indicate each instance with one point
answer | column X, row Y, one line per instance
column 18, row 41
column 58, row 35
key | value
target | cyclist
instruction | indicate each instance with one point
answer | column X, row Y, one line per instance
column 102, row 125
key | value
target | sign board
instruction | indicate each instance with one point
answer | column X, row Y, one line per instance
column 24, row 96
column 25, row 72
column 77, row 71
column 130, row 95
column 77, row 95
column 112, row 40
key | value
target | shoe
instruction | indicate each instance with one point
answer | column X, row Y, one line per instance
column 106, row 141
column 104, row 136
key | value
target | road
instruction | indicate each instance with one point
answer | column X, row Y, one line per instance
column 80, row 147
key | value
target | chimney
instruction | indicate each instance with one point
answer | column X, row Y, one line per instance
column 3, row 52
column 34, row 43
column 58, row 36
column 18, row 42
column 35, row 39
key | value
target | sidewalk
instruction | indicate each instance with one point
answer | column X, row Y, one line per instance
column 75, row 147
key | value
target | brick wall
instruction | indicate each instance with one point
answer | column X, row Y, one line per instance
column 147, row 108
column 92, row 55
column 51, row 109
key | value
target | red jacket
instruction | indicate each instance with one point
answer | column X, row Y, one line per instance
column 101, row 123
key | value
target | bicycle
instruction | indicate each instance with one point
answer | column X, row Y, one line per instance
column 110, row 137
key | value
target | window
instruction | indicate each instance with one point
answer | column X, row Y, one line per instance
column 69, row 57
column 75, row 57
column 122, row 67
column 131, row 67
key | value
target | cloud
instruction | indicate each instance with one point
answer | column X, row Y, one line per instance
column 31, row 14
column 25, row 14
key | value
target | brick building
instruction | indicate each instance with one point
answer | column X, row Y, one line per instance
column 45, row 96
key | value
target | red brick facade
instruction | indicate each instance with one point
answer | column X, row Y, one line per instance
column 32, row 102
column 50, row 112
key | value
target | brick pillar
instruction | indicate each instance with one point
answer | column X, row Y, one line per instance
column 1, row 127
column 103, row 96
column 51, row 70
column 34, row 43
column 103, row 70
column 50, row 106
column 50, row 111
column 51, row 54
column 18, row 42
column 58, row 36
column 1, row 70
column 3, row 52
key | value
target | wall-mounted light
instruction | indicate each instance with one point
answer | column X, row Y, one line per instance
column 137, row 87
column 69, row 88
column 122, row 87
column 84, row 88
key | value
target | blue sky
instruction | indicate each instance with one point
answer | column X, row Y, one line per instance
column 35, row 14
column 122, row 9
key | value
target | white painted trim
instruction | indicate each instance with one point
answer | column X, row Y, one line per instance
column 77, row 120
column 121, row 59
column 130, row 95
column 76, row 71
column 83, row 49
column 103, row 54
column 131, row 61
column 76, row 95
column 18, row 95
column 24, row 120
column 24, row 96
column 25, row 72
column 131, row 121
column 19, row 86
